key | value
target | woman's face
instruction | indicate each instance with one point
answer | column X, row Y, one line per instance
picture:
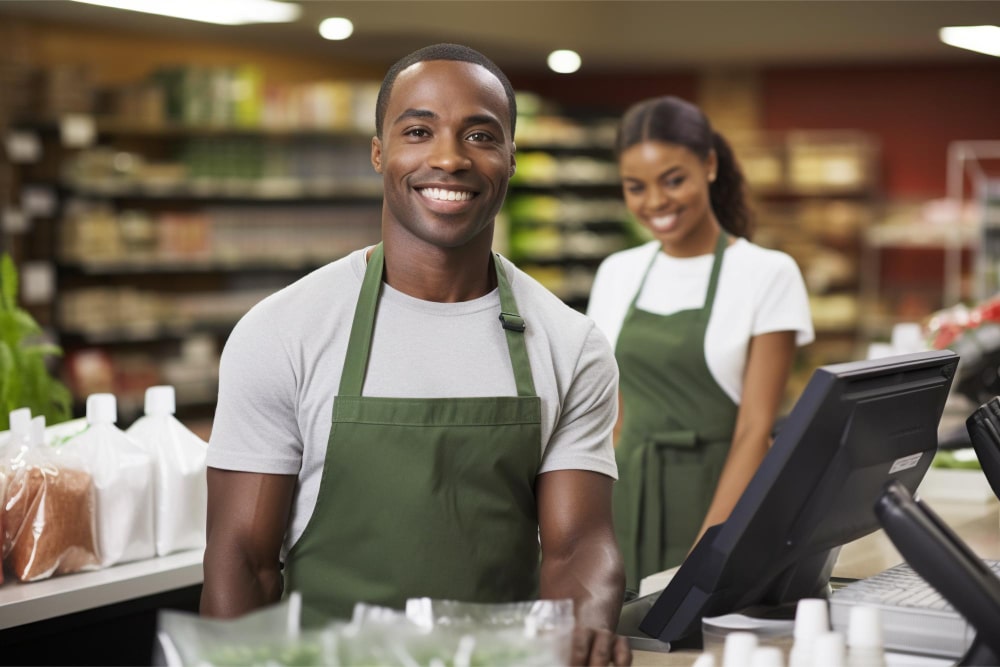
column 666, row 189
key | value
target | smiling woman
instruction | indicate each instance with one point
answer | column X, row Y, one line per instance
column 704, row 325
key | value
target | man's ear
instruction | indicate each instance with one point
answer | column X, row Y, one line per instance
column 377, row 154
column 513, row 161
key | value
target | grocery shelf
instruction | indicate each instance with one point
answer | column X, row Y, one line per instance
column 28, row 602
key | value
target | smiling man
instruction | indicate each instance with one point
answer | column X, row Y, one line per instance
column 420, row 418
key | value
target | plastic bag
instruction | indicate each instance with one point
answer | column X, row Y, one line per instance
column 180, row 490
column 430, row 633
column 267, row 637
column 49, row 512
column 123, row 479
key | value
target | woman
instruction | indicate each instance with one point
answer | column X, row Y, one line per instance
column 704, row 325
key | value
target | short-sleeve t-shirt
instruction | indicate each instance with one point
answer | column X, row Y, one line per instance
column 759, row 291
column 281, row 367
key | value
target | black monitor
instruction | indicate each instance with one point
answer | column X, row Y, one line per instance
column 855, row 427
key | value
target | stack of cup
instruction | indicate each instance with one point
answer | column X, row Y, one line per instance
column 864, row 638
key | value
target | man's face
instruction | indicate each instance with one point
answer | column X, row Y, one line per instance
column 446, row 153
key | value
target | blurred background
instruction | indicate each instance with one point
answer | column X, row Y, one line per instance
column 160, row 175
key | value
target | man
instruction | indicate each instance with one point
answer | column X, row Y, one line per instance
column 472, row 410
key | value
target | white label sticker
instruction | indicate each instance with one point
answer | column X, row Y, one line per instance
column 23, row 147
column 14, row 221
column 905, row 463
column 38, row 282
column 38, row 201
column 77, row 130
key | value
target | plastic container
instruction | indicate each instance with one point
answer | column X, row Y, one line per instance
column 123, row 479
column 180, row 490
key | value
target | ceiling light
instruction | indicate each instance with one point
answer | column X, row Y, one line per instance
column 336, row 28
column 981, row 38
column 564, row 61
column 224, row 12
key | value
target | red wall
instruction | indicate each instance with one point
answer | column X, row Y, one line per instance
column 915, row 110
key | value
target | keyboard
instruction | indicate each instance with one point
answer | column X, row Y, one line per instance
column 915, row 617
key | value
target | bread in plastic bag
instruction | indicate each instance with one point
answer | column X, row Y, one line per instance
column 49, row 513
column 180, row 489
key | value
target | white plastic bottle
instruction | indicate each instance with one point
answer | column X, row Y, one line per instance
column 123, row 479
column 181, row 493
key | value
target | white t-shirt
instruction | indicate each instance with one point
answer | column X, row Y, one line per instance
column 760, row 291
column 281, row 368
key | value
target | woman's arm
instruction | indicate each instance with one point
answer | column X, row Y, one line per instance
column 769, row 362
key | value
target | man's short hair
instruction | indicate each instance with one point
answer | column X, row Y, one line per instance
column 441, row 52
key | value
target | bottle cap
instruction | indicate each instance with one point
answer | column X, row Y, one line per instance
column 811, row 618
column 38, row 430
column 767, row 656
column 828, row 650
column 20, row 422
column 738, row 648
column 160, row 400
column 864, row 627
column 102, row 409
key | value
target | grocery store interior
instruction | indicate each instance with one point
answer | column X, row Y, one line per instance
column 161, row 175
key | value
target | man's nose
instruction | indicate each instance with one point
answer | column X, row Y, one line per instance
column 448, row 154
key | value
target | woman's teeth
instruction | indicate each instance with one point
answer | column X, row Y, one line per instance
column 664, row 221
column 441, row 194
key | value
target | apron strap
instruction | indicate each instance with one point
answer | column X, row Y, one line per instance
column 359, row 344
column 514, row 326
column 713, row 282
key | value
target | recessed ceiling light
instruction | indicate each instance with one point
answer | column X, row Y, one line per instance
column 980, row 38
column 564, row 61
column 223, row 12
column 336, row 28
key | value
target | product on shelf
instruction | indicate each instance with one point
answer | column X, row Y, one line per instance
column 49, row 512
column 181, row 493
column 123, row 479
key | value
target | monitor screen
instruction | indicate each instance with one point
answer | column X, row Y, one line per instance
column 855, row 427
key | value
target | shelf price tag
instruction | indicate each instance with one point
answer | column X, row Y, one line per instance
column 23, row 147
column 14, row 221
column 77, row 130
column 38, row 201
column 38, row 282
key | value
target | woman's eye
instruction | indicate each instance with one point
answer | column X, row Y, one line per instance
column 675, row 182
column 634, row 189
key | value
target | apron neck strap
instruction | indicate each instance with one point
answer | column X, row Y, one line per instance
column 713, row 282
column 359, row 344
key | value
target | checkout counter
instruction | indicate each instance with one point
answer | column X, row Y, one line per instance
column 976, row 521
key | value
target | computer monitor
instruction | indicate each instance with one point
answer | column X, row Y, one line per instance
column 856, row 426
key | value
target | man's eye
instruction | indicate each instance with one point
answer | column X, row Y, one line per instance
column 417, row 132
column 480, row 136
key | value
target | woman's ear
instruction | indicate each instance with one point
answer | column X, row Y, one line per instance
column 377, row 154
column 712, row 165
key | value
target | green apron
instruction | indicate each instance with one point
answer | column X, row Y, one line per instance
column 423, row 497
column 677, row 428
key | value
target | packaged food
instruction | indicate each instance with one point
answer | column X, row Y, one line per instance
column 49, row 513
column 123, row 481
column 180, row 490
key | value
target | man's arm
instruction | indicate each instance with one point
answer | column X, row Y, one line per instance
column 247, row 519
column 581, row 561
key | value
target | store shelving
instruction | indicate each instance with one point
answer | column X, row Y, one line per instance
column 564, row 210
column 163, row 232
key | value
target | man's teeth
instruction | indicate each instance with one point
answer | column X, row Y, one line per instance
column 446, row 195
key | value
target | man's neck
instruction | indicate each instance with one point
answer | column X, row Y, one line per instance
column 444, row 275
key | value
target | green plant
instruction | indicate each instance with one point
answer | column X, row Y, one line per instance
column 25, row 381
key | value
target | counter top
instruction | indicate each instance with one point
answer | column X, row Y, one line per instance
column 22, row 603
